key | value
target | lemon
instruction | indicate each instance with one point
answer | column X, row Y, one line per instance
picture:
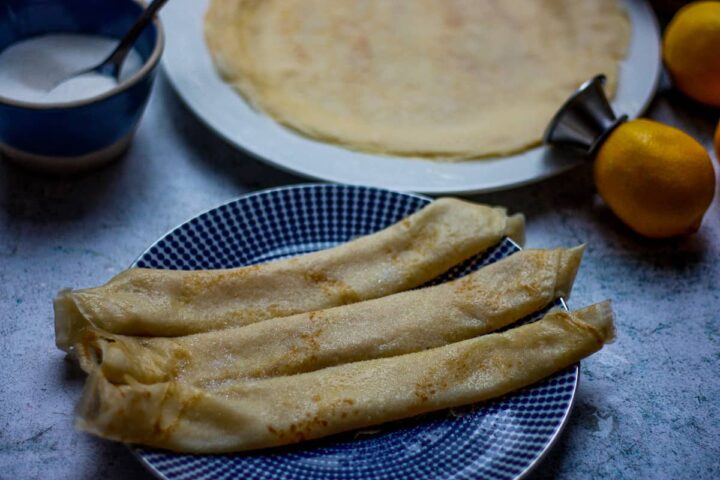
column 691, row 50
column 657, row 179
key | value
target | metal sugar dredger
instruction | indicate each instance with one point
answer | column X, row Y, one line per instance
column 585, row 120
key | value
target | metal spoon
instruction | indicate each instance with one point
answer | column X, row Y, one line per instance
column 112, row 65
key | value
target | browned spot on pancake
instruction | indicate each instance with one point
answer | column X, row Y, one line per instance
column 274, row 310
column 302, row 429
column 197, row 283
column 310, row 339
column 424, row 390
column 316, row 277
column 436, row 377
column 315, row 423
column 390, row 252
column 361, row 58
column 348, row 295
column 300, row 53
column 312, row 316
column 332, row 287
column 191, row 286
column 453, row 18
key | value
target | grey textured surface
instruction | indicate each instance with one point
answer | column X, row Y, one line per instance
column 647, row 406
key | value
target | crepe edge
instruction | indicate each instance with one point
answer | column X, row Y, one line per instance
column 600, row 317
column 515, row 228
column 69, row 320
column 569, row 264
column 130, row 412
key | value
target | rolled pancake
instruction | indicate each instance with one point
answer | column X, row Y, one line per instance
column 491, row 298
column 284, row 410
column 172, row 303
column 450, row 79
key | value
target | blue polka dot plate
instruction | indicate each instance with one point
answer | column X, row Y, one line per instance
column 501, row 439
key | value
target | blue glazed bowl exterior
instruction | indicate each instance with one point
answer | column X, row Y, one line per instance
column 83, row 128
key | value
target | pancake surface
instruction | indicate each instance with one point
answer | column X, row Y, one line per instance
column 171, row 303
column 486, row 300
column 246, row 415
column 449, row 79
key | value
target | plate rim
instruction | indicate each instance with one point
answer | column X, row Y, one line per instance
column 540, row 457
column 563, row 161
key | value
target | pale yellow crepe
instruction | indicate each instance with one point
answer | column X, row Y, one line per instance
column 452, row 79
column 491, row 298
column 288, row 409
column 402, row 256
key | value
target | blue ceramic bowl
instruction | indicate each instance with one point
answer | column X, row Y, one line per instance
column 73, row 136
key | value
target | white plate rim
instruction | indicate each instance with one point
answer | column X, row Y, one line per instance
column 189, row 70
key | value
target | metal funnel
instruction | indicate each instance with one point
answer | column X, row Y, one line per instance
column 585, row 120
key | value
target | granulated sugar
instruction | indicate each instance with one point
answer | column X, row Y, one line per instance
column 31, row 69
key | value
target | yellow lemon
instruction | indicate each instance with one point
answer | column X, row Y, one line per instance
column 691, row 50
column 656, row 178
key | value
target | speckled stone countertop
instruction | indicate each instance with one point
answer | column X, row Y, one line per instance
column 647, row 407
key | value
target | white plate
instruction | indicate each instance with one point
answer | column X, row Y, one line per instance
column 190, row 70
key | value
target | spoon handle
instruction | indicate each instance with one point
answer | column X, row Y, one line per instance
column 113, row 64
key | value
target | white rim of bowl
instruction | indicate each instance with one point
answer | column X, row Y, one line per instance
column 147, row 66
